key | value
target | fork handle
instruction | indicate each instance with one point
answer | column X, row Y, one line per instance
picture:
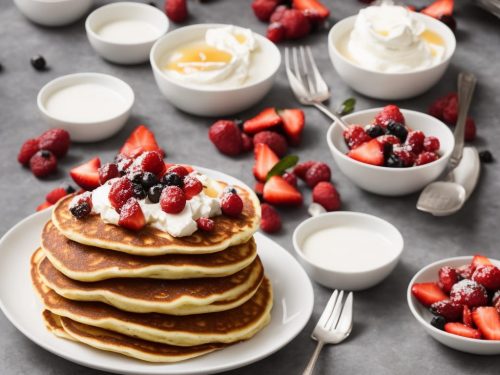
column 312, row 362
column 323, row 108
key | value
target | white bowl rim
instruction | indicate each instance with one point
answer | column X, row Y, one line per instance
column 56, row 1
column 420, row 319
column 127, row 4
column 43, row 92
column 211, row 88
column 450, row 54
column 300, row 227
column 329, row 136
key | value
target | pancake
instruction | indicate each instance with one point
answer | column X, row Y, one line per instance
column 176, row 297
column 229, row 326
column 150, row 241
column 88, row 263
column 53, row 324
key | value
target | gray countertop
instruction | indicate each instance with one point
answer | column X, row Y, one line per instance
column 386, row 338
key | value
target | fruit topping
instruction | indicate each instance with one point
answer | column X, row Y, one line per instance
column 301, row 168
column 181, row 170
column 176, row 10
column 371, row 152
column 192, row 187
column 270, row 221
column 28, row 149
column 495, row 301
column 148, row 179
column 55, row 140
column 293, row 124
column 355, row 135
column 373, row 131
column 231, row 204
column 480, row 260
column 43, row 163
column 278, row 191
column 38, row 62
column 151, row 161
column 290, row 178
column 394, row 161
column 139, row 192
column 265, row 160
column 470, row 293
column 428, row 293
column 449, row 310
column 389, row 113
column 407, row 158
column 415, row 141
column 488, row 276
column 87, row 175
column 81, row 205
column 173, row 179
column 172, row 199
column 398, row 129
column 275, row 141
column 205, row 224
column 325, row 194
column 487, row 320
column 121, row 191
column 448, row 276
column 142, row 139
column 467, row 317
column 438, row 322
column 461, row 329
column 123, row 162
column 265, row 120
column 131, row 215
column 226, row 136
column 431, row 144
column 154, row 193
column 426, row 158
column 107, row 172
column 317, row 173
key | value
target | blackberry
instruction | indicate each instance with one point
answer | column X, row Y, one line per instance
column 69, row 189
column 397, row 129
column 38, row 62
column 375, row 131
column 139, row 191
column 438, row 321
column 154, row 193
column 486, row 156
column 148, row 179
column 80, row 210
column 394, row 162
column 173, row 179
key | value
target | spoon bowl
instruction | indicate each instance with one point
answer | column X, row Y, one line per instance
column 442, row 198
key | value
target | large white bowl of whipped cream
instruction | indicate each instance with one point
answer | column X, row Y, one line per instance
column 389, row 52
column 214, row 69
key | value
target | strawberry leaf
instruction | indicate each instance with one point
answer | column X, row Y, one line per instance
column 281, row 166
column 347, row 106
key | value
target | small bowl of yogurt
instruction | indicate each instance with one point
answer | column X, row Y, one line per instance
column 389, row 52
column 90, row 106
column 124, row 32
column 348, row 250
column 214, row 69
column 53, row 12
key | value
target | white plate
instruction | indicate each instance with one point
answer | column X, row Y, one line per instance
column 293, row 303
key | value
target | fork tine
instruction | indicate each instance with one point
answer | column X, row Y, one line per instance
column 297, row 71
column 332, row 322
column 320, row 82
column 345, row 321
column 328, row 310
column 295, row 84
column 307, row 71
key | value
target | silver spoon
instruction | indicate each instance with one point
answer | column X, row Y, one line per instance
column 446, row 196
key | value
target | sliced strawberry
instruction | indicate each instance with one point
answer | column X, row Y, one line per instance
column 278, row 191
column 131, row 215
column 87, row 174
column 462, row 330
column 480, row 260
column 371, row 152
column 312, row 6
column 439, row 8
column 487, row 320
column 265, row 159
column 293, row 124
column 428, row 293
column 467, row 317
column 266, row 119
column 142, row 139
column 43, row 206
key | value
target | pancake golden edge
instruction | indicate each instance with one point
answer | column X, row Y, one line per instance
column 92, row 231
column 246, row 282
column 94, row 264
column 149, row 326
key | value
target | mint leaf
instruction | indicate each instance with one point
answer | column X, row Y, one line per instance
column 347, row 106
column 281, row 166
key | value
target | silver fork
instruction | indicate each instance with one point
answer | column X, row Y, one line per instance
column 334, row 325
column 306, row 81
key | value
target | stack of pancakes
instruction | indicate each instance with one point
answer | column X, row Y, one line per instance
column 148, row 295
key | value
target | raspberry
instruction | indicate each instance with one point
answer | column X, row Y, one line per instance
column 470, row 129
column 465, row 271
column 231, row 205
column 436, row 109
column 355, row 135
column 131, row 215
column 81, row 205
column 107, row 172
column 278, row 14
column 275, row 141
column 487, row 276
column 55, row 140
column 325, row 194
column 388, row 113
column 290, row 178
column 276, row 32
column 151, row 161
column 404, row 155
column 448, row 277
column 179, row 170
column 205, row 224
column 450, row 111
column 246, row 142
column 317, row 173
column 192, row 187
column 121, row 191
column 301, row 168
column 54, row 195
column 123, row 162
column 415, row 141
column 263, row 9
column 470, row 293
column 226, row 136
column 43, row 163
column 176, row 10
column 449, row 310
column 388, row 139
column 28, row 149
column 295, row 23
column 172, row 200
column 426, row 158
column 431, row 144
column 270, row 221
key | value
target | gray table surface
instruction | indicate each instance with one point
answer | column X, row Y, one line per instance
column 386, row 339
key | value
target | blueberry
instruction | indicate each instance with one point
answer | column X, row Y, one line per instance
column 397, row 129
column 394, row 162
column 148, row 179
column 139, row 191
column 80, row 210
column 154, row 193
column 388, row 147
column 375, row 131
column 38, row 62
column 438, row 321
column 486, row 156
column 69, row 189
column 173, row 179
column 136, row 177
column 230, row 190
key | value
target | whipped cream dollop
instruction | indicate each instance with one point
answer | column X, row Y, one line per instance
column 388, row 38
column 177, row 225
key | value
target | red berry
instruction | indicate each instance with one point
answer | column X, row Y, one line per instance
column 317, row 173
column 467, row 316
column 415, row 141
column 121, row 191
column 325, row 194
column 131, row 215
column 450, row 111
column 246, row 142
column 470, row 129
column 407, row 157
column 140, row 140
column 465, row 271
column 43, row 163
column 172, row 199
column 259, row 189
column 426, row 158
column 295, row 23
column 449, row 310
column 487, row 276
column 290, row 178
column 205, row 224
column 86, row 175
column 436, row 109
column 226, row 136
column 176, row 10
column 388, row 139
column 270, row 220
column 495, row 301
column 355, row 135
column 180, row 170
column 431, row 144
column 192, row 187
column 276, row 32
column 462, row 330
column 28, row 149
column 54, row 195
column 55, row 140
column 448, row 276
column 107, row 172
column 301, row 168
column 151, row 161
column 388, row 113
column 81, row 205
column 264, row 8
column 43, row 206
column 231, row 205
column 275, row 141
column 278, row 13
column 123, row 162
column 470, row 293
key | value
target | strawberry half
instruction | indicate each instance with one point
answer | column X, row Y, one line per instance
column 313, row 7
column 439, row 8
column 480, row 260
column 142, row 139
column 428, row 293
column 293, row 124
column 487, row 320
column 131, row 215
column 266, row 119
column 462, row 330
column 265, row 159
column 87, row 174
column 187, row 167
column 467, row 317
column 278, row 191
column 371, row 152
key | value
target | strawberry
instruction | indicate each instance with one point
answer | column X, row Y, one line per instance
column 246, row 142
column 450, row 111
column 487, row 276
column 43, row 206
column 290, row 178
column 355, row 135
column 479, row 259
column 205, row 224
column 371, row 152
column 270, row 221
column 275, row 141
column 176, row 10
column 325, row 194
column 470, row 129
column 131, row 215
column 465, row 271
column 470, row 293
column 192, row 187
column 462, row 330
column 265, row 120
column 431, row 144
column 231, row 204
column 448, row 277
column 312, row 8
column 55, row 140
column 276, row 32
column 54, row 195
column 259, row 189
column 121, row 191
column 467, row 317
column 295, row 23
column 265, row 159
column 495, row 301
column 43, row 163
column 264, row 8
column 278, row 14
column 293, row 124
column 107, row 172
column 388, row 113
column 301, row 168
column 180, row 172
column 487, row 320
column 439, row 8
column 87, row 175
column 449, row 310
column 428, row 293
column 426, row 158
column 317, row 173
column 172, row 199
column 151, row 161
column 142, row 139
column 28, row 149
column 226, row 136
column 437, row 107
column 278, row 191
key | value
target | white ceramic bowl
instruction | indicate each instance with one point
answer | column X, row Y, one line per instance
column 53, row 12
column 391, row 181
column 355, row 280
column 389, row 86
column 121, row 52
column 87, row 131
column 423, row 316
column 211, row 100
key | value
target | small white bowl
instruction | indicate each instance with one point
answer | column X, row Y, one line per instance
column 53, row 12
column 423, row 316
column 121, row 51
column 87, row 131
column 389, row 86
column 342, row 279
column 211, row 100
column 391, row 181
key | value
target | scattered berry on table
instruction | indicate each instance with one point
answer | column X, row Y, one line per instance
column 205, row 224
column 276, row 32
column 274, row 140
column 278, row 13
column 279, row 192
column 43, row 206
column 355, row 135
column 107, row 172
column 172, row 199
column 259, row 189
column 38, row 62
column 154, row 193
column 470, row 293
column 264, row 8
column 265, row 160
column 290, row 178
column 390, row 112
column 449, row 21
column 398, row 129
column 293, row 124
column 270, row 219
column 28, row 149
column 131, row 215
column 140, row 140
column 55, row 194
column 295, row 23
column 176, row 10
column 139, row 192
column 192, row 187
column 231, row 205
column 486, row 156
column 470, row 129
column 325, row 194
column 226, row 136
column 436, row 109
column 55, row 140
column 81, row 205
column 121, row 191
column 43, row 163
column 246, row 142
column 438, row 322
column 426, row 158
column 301, row 168
column 173, row 179
column 317, row 173
column 149, row 179
column 450, row 111
column 87, row 175
column 265, row 120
